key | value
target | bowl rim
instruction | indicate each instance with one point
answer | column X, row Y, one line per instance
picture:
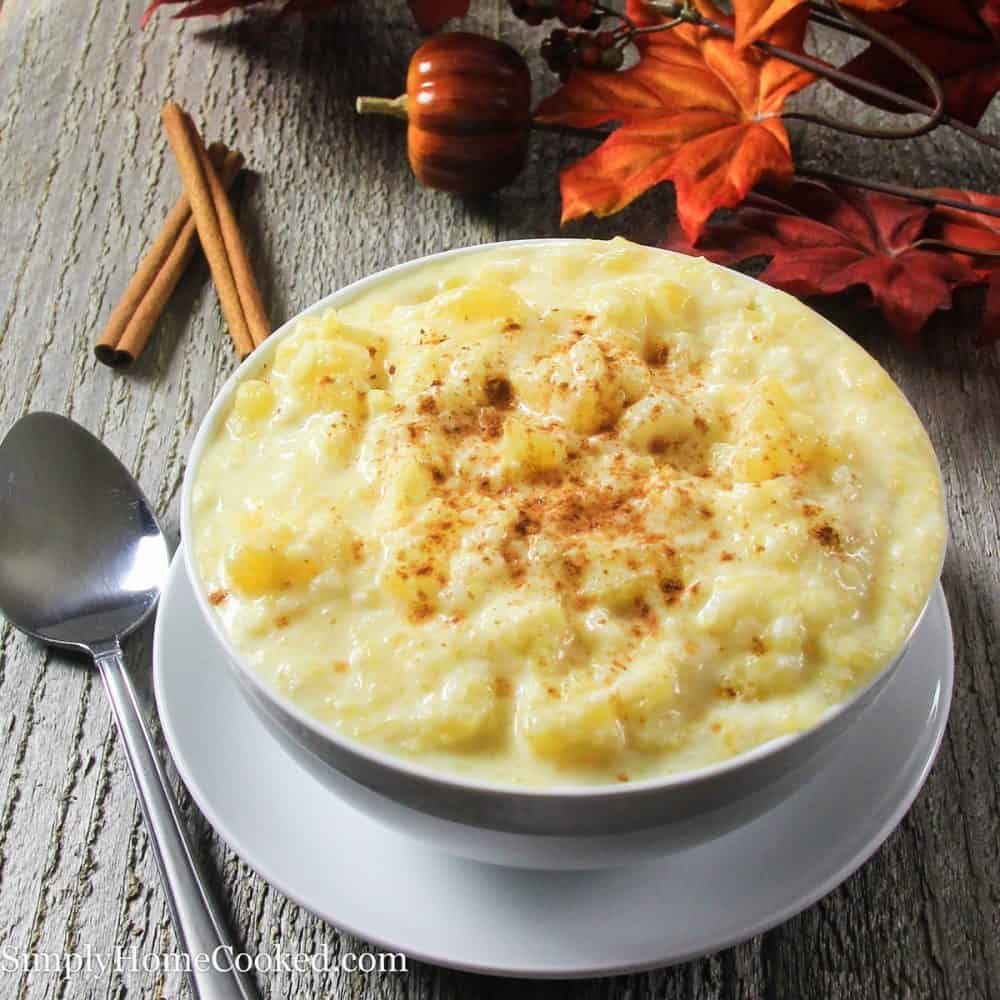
column 262, row 356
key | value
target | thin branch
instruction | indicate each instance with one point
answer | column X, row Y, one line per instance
column 919, row 195
column 822, row 15
column 983, row 138
column 598, row 134
column 934, row 244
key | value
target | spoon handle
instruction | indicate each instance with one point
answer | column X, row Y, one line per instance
column 200, row 930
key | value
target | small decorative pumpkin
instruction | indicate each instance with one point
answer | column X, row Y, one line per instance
column 468, row 105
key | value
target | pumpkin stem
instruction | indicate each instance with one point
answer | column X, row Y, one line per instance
column 396, row 106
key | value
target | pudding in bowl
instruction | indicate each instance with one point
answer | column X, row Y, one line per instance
column 562, row 517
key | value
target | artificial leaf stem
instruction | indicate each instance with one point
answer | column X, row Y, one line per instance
column 821, row 14
column 919, row 195
column 936, row 244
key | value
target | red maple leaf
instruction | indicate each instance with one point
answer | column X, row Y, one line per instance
column 429, row 14
column 958, row 39
column 824, row 239
column 977, row 232
column 693, row 111
column 197, row 8
column 754, row 18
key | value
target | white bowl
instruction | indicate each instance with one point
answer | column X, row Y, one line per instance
column 560, row 827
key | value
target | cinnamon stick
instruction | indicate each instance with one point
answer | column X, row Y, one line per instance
column 246, row 283
column 193, row 174
column 134, row 318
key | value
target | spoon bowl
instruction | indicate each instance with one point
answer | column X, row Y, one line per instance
column 82, row 558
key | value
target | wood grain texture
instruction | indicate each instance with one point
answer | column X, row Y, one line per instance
column 86, row 179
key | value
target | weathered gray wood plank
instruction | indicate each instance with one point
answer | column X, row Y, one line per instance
column 86, row 178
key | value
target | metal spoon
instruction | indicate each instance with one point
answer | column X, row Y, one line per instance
column 82, row 562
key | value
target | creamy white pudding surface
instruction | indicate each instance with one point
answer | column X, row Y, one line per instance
column 570, row 513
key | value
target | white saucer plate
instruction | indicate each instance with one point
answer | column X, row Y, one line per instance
column 402, row 896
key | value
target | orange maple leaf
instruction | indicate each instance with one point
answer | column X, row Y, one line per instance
column 754, row 18
column 692, row 110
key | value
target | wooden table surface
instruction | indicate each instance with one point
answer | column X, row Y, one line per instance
column 85, row 178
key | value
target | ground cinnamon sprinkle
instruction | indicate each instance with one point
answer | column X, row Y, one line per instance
column 420, row 613
column 648, row 616
column 526, row 524
column 491, row 424
column 576, row 508
column 499, row 392
column 658, row 356
column 512, row 557
column 826, row 535
column 566, row 506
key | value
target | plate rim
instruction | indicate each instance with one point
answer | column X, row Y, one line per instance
column 178, row 577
